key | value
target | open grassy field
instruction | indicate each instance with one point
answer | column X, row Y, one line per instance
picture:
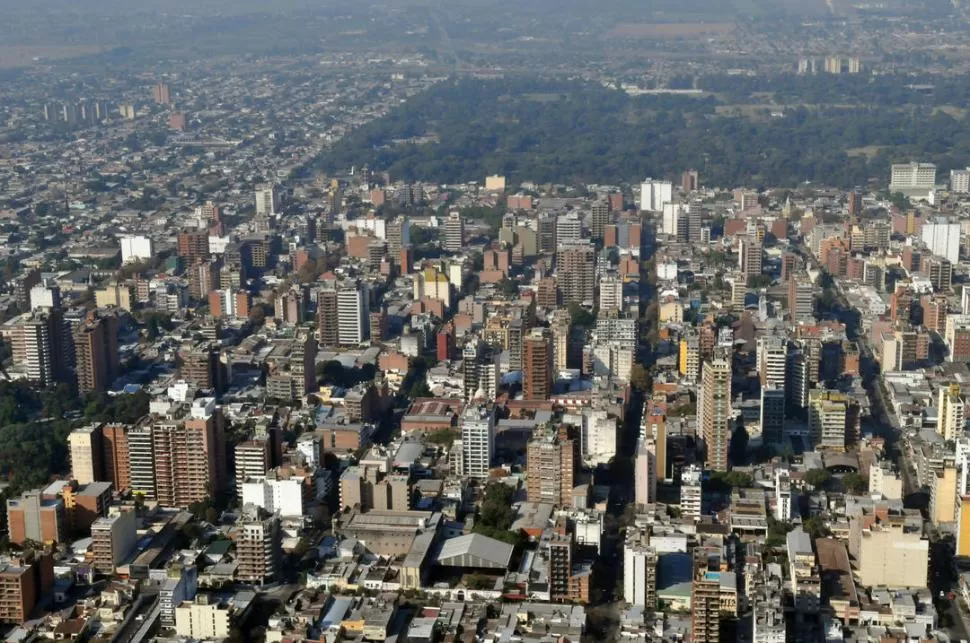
column 670, row 30
column 26, row 55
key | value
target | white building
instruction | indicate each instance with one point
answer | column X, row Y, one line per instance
column 201, row 620
column 960, row 181
column 477, row 440
column 639, row 573
column 569, row 227
column 599, row 437
column 267, row 200
column 611, row 293
column 45, row 295
column 136, row 248
column 912, row 177
column 353, row 314
column 942, row 238
column 671, row 217
column 690, row 491
column 283, row 497
column 653, row 194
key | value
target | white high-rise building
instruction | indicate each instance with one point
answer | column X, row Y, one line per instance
column 136, row 248
column 569, row 227
column 951, row 413
column 267, row 200
column 960, row 181
column 477, row 440
column 671, row 218
column 772, row 360
column 45, row 295
column 942, row 238
column 611, row 293
column 275, row 495
column 653, row 194
column 454, row 232
column 639, row 571
column 599, row 437
column 905, row 177
column 353, row 311
column 690, row 491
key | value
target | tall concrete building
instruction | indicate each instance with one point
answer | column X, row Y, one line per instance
column 398, row 233
column 537, row 365
column 41, row 345
column 773, row 415
column 601, row 218
column 772, row 351
column 36, row 517
column 645, row 483
column 113, row 539
column 114, row 456
column 353, row 313
column 714, row 412
column 942, row 237
column 84, row 444
column 833, row 419
column 454, row 238
column 705, row 599
column 258, row 548
column 328, row 320
column 267, row 200
column 801, row 298
column 639, row 570
column 654, row 194
column 96, row 353
column 551, row 458
column 610, row 294
column 193, row 246
column 480, row 371
column 951, row 413
column 576, row 272
column 477, row 440
column 749, row 256
column 561, row 327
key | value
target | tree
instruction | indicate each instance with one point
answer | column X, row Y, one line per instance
column 818, row 478
column 640, row 377
column 816, row 527
column 257, row 314
column 855, row 483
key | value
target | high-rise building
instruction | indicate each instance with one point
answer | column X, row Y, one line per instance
column 689, row 361
column 267, row 200
column 537, row 365
column 187, row 454
column 772, row 360
column 112, row 540
column 639, row 570
column 646, row 472
column 601, row 218
column 84, row 444
column 114, row 456
column 547, row 228
column 705, row 598
column 253, row 460
column 551, row 458
column 714, row 412
column 942, row 237
column 960, row 181
column 749, row 256
column 957, row 338
column 193, row 246
column 398, row 235
column 477, row 440
column 141, row 460
column 689, row 180
column 560, row 327
column 480, row 372
column 654, row 194
column 202, row 366
column 328, row 321
column 772, row 414
column 833, row 419
column 801, row 298
column 610, row 294
column 41, row 345
column 951, row 413
column 258, row 549
column 907, row 177
column 569, row 227
column 23, row 582
column 160, row 94
column 576, row 272
column 96, row 353
column 353, row 311
column 454, row 238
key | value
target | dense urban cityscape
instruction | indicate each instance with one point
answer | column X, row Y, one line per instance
column 485, row 323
